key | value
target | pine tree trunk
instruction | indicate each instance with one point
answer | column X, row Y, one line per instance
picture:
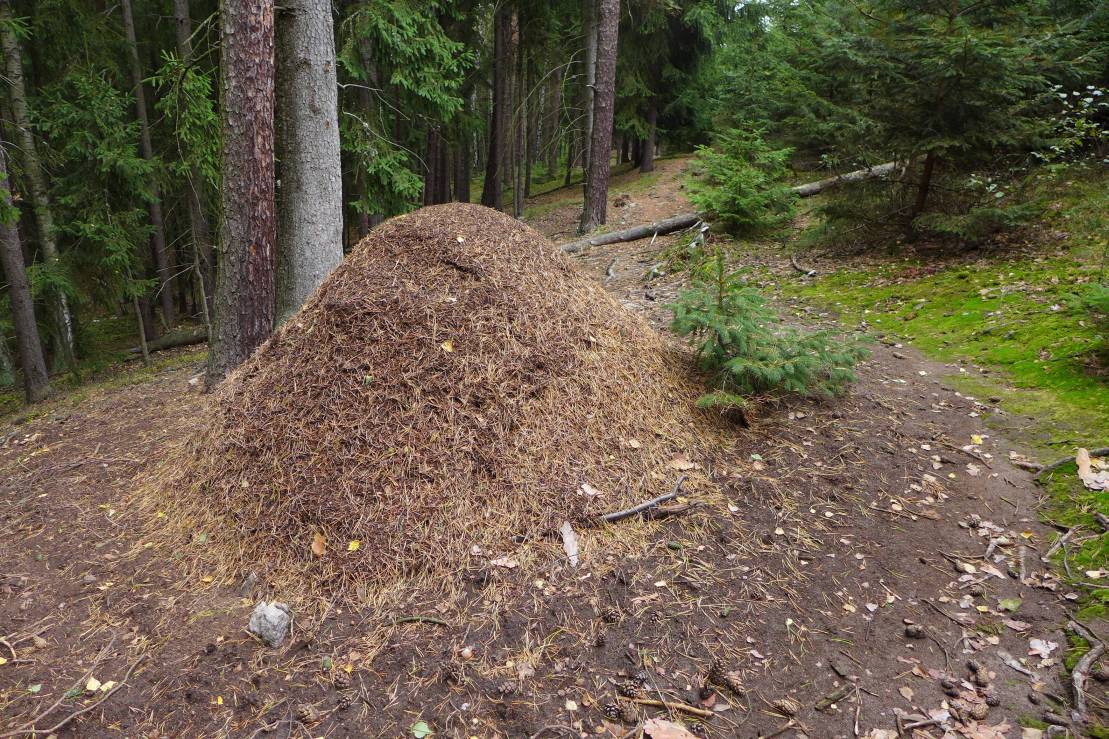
column 571, row 155
column 7, row 364
column 36, row 383
column 462, row 165
column 492, row 191
column 431, row 163
column 244, row 298
column 923, row 187
column 198, row 219
column 551, row 128
column 162, row 260
column 310, row 209
column 647, row 155
column 35, row 180
column 519, row 145
column 596, row 182
column 589, row 31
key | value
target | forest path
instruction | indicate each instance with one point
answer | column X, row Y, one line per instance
column 935, row 528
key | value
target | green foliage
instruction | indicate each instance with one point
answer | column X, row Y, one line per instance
column 187, row 98
column 745, row 349
column 741, row 185
column 99, row 188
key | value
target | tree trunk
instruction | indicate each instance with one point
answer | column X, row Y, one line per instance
column 162, row 261
column 310, row 211
column 551, row 125
column 492, row 191
column 36, row 180
column 596, row 181
column 36, row 383
column 245, row 280
column 431, row 165
column 198, row 219
column 7, row 364
column 659, row 228
column 647, row 155
column 462, row 168
column 924, row 186
column 589, row 31
column 519, row 144
column 571, row 155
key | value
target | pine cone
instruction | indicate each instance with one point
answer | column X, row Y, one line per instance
column 977, row 711
column 617, row 712
column 600, row 639
column 610, row 615
column 345, row 702
column 732, row 683
column 786, row 706
column 341, row 680
column 696, row 728
column 306, row 714
column 717, row 670
column 630, row 689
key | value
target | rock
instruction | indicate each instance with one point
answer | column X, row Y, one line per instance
column 88, row 579
column 270, row 622
column 914, row 631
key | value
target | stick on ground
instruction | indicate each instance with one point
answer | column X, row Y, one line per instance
column 645, row 506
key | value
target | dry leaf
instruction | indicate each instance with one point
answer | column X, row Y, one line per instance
column 1092, row 480
column 569, row 542
column 1041, row 647
column 354, row 545
column 658, row 728
column 589, row 490
column 906, row 693
column 319, row 544
column 92, row 685
column 681, row 464
column 447, row 346
column 506, row 562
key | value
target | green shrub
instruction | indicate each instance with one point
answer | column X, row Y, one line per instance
column 740, row 184
column 747, row 351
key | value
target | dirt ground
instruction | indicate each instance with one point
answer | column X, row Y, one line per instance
column 877, row 569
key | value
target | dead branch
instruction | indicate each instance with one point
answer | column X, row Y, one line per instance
column 1099, row 452
column 803, row 270
column 670, row 706
column 1081, row 671
column 646, row 505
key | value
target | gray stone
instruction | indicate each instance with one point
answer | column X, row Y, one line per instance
column 270, row 622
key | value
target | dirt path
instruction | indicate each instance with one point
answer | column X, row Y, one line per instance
column 849, row 567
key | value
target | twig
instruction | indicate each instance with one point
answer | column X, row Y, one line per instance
column 1081, row 673
column 834, row 697
column 921, row 724
column 647, row 505
column 942, row 612
column 670, row 705
column 969, row 452
column 610, row 272
column 1058, row 543
column 56, row 727
column 1102, row 519
column 419, row 620
column 789, row 725
column 1100, row 452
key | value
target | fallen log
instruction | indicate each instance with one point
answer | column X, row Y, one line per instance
column 174, row 340
column 686, row 220
column 879, row 170
column 659, row 228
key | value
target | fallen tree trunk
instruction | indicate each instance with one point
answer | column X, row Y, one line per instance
column 685, row 220
column 659, row 228
column 812, row 188
column 174, row 340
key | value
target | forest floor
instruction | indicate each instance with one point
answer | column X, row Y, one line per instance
column 872, row 548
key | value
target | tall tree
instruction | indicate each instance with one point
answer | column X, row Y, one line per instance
column 244, row 301
column 595, row 207
column 194, row 180
column 162, row 260
column 36, row 383
column 36, row 180
column 500, row 120
column 310, row 197
column 589, row 90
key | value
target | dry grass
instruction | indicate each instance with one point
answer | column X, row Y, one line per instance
column 446, row 393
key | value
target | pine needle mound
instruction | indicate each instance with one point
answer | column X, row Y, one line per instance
column 454, row 383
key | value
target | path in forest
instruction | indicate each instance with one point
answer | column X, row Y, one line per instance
column 846, row 580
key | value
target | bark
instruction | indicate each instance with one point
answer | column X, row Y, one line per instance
column 189, row 337
column 198, row 219
column 589, row 31
column 492, row 192
column 35, row 179
column 431, row 165
column 519, row 144
column 310, row 208
column 244, row 298
column 659, row 228
column 7, row 364
column 571, row 155
column 462, row 170
column 36, row 383
column 596, row 181
column 647, row 155
column 162, row 261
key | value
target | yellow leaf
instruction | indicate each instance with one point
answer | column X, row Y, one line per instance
column 319, row 544
column 161, row 514
column 107, row 686
column 976, row 439
column 219, row 700
column 447, row 346
column 92, row 685
column 3, row 661
column 354, row 545
column 206, row 578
